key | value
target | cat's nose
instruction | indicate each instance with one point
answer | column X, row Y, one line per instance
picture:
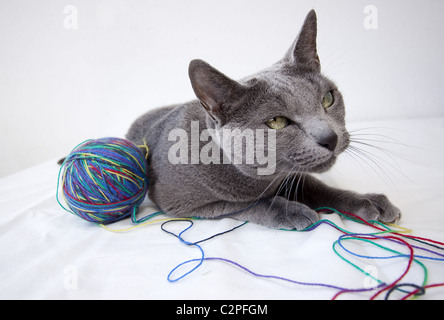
column 327, row 139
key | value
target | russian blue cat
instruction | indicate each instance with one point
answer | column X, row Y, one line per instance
column 289, row 111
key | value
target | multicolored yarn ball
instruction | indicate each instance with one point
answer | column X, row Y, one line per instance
column 104, row 180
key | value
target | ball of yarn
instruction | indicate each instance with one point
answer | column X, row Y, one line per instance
column 104, row 180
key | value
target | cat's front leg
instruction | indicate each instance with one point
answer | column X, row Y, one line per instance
column 370, row 206
column 274, row 212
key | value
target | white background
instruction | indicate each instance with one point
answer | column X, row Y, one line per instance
column 60, row 86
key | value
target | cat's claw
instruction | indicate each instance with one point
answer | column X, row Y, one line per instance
column 297, row 217
column 378, row 207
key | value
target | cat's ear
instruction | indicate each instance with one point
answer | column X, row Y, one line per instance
column 303, row 52
column 215, row 91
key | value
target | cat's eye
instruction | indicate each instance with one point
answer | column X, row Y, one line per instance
column 277, row 123
column 327, row 100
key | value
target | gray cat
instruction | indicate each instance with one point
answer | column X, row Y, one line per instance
column 292, row 102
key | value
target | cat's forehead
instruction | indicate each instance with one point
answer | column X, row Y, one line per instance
column 295, row 87
column 288, row 94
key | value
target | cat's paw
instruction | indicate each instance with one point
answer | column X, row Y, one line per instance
column 297, row 216
column 374, row 206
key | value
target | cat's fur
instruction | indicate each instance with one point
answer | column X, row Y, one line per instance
column 294, row 88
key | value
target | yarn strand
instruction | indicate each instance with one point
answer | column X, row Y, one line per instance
column 384, row 232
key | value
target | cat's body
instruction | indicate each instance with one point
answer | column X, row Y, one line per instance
column 304, row 109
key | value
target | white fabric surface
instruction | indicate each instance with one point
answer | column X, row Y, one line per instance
column 46, row 253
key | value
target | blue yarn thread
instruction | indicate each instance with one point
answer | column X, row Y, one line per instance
column 104, row 180
column 196, row 244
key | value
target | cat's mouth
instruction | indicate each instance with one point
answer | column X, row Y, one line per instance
column 312, row 162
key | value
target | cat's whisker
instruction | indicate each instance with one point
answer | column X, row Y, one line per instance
column 376, row 137
column 379, row 139
column 301, row 178
column 352, row 155
column 384, row 139
column 282, row 185
column 371, row 128
column 289, row 190
column 388, row 152
column 295, row 194
column 278, row 176
column 371, row 160
column 364, row 159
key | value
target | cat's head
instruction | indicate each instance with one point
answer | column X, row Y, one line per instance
column 291, row 97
